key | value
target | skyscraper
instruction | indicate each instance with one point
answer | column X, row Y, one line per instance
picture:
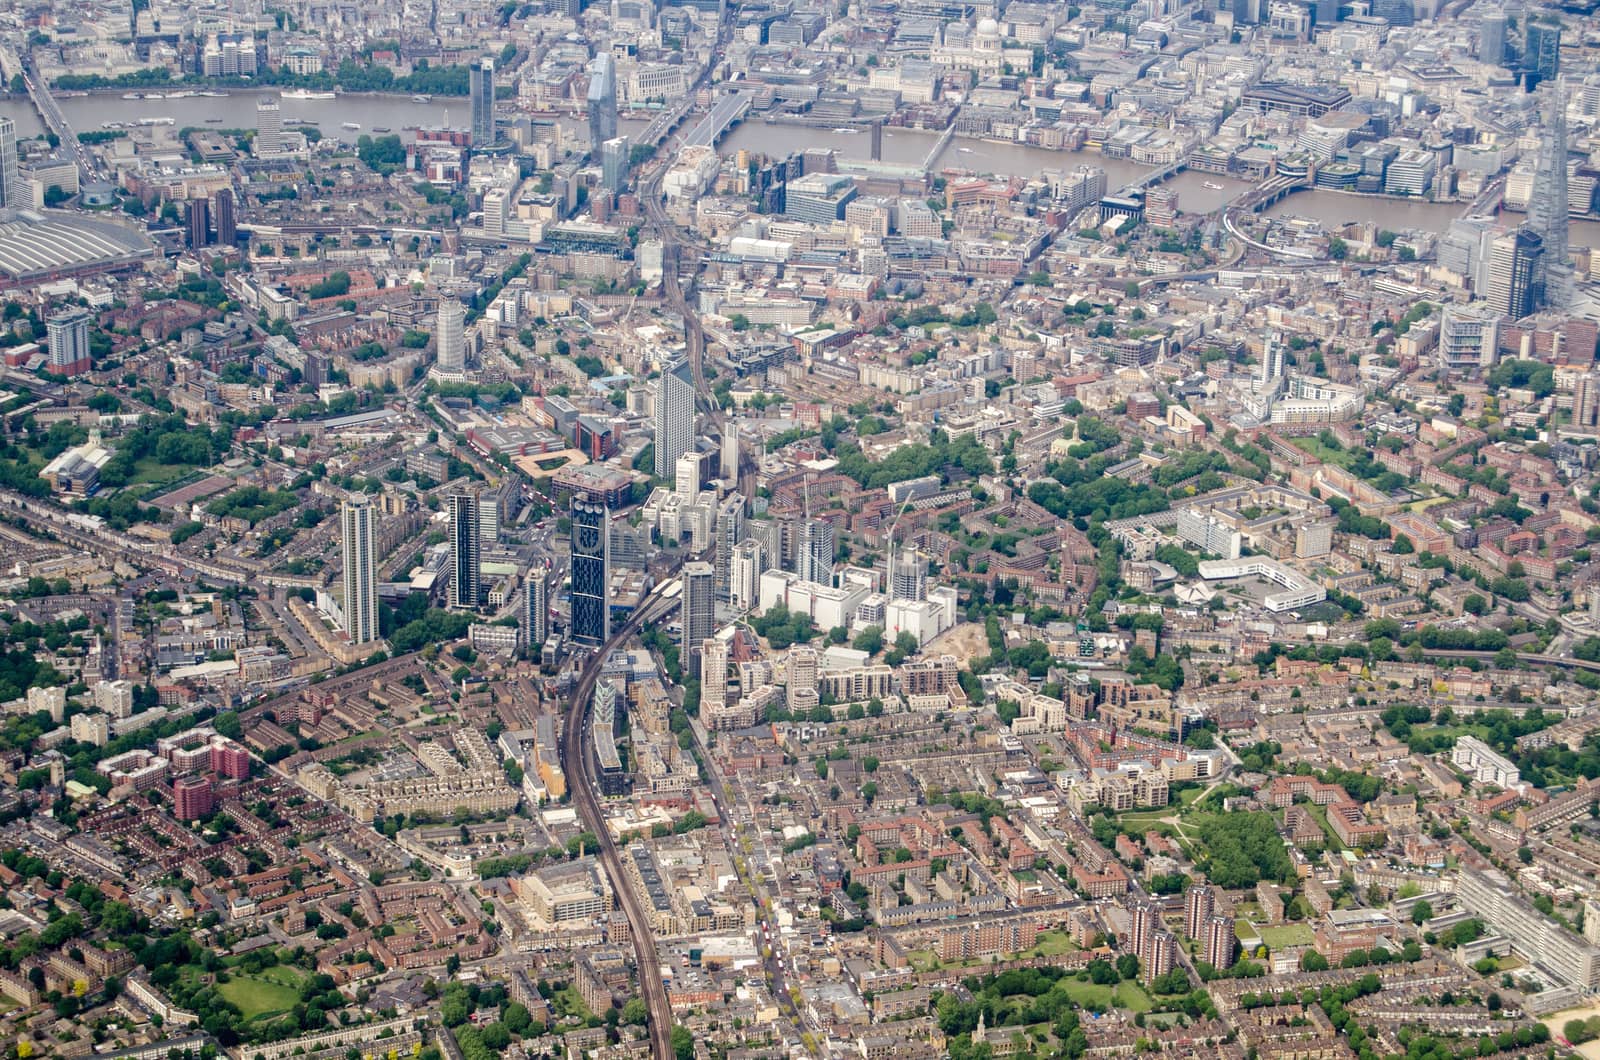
column 591, row 553
column 1396, row 12
column 1541, row 53
column 1585, row 400
column 199, row 224
column 1145, row 922
column 1198, row 905
column 699, row 610
column 908, row 576
column 269, row 128
column 450, row 333
column 481, row 82
column 817, row 547
column 1492, row 37
column 1218, row 942
column 614, row 163
column 10, row 190
column 1468, row 338
column 68, row 333
column 602, row 101
column 1547, row 211
column 466, row 551
column 674, row 416
column 535, row 612
column 360, row 570
column 744, row 574
column 1161, row 954
column 686, row 476
column 728, row 467
column 1513, row 259
column 729, row 532
column 713, row 676
column 227, row 234
column 1270, row 372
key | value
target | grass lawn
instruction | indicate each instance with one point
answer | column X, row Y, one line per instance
column 1321, row 815
column 1189, row 796
column 569, row 1002
column 1052, row 944
column 923, row 960
column 1280, row 935
column 1338, row 457
column 150, row 471
column 1130, row 996
column 259, row 996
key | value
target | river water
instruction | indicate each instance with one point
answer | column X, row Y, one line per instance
column 911, row 147
column 1337, row 208
column 903, row 146
column 238, row 111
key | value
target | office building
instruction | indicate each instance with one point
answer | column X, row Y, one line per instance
column 686, row 478
column 1468, row 338
column 1217, row 944
column 1395, row 12
column 674, row 416
column 10, row 183
column 269, row 128
column 817, row 548
column 1198, row 905
column 199, row 224
column 227, row 233
column 495, row 210
column 729, row 532
column 614, row 163
column 590, row 567
column 602, row 100
column 68, row 333
column 1464, row 250
column 466, row 551
column 1513, row 259
column 1541, row 53
column 699, row 610
column 535, row 612
column 819, row 198
column 1411, row 171
column 1492, row 37
column 481, row 86
column 360, row 570
column 450, row 335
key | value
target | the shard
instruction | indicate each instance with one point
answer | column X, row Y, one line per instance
column 1547, row 211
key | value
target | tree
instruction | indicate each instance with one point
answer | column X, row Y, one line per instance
column 635, row 1012
column 1421, row 913
column 1312, row 961
column 1128, row 966
column 869, row 640
column 682, row 1043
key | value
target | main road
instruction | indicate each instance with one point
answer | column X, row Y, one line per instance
column 577, row 752
column 55, row 120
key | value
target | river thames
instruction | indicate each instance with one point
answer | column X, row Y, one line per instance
column 1197, row 192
